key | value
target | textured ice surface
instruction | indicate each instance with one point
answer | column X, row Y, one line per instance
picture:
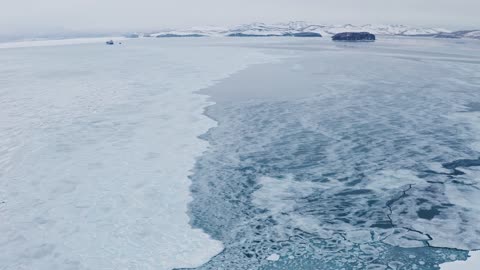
column 96, row 146
column 369, row 161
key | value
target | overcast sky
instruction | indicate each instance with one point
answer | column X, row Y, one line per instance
column 30, row 16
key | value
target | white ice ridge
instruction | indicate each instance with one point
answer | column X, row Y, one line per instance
column 96, row 147
column 472, row 263
column 56, row 42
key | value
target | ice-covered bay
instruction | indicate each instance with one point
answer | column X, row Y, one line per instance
column 96, row 147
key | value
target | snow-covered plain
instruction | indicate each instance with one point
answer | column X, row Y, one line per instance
column 473, row 263
column 96, row 147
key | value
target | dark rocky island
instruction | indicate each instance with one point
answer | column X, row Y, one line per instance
column 354, row 36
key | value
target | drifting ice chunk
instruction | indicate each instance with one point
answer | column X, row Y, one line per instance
column 274, row 257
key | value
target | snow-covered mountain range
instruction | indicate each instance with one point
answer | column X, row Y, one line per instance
column 300, row 28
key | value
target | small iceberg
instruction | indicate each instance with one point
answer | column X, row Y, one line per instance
column 274, row 257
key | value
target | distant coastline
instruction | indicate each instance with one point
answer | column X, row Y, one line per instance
column 294, row 28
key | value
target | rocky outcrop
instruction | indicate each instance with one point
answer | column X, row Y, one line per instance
column 354, row 36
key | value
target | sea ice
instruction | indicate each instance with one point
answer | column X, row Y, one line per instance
column 96, row 150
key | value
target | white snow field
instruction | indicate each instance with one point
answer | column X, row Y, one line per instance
column 473, row 263
column 96, row 147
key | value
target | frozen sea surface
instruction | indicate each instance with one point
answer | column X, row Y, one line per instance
column 96, row 146
column 345, row 156
column 322, row 155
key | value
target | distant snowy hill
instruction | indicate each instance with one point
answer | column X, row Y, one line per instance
column 475, row 34
column 300, row 28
